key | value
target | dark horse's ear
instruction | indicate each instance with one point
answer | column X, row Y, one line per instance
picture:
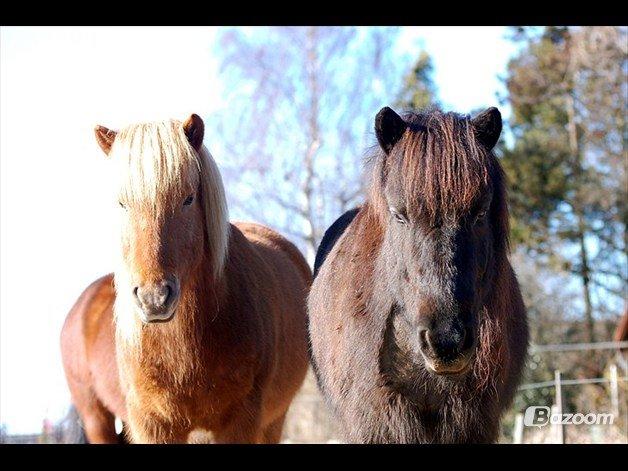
column 105, row 138
column 194, row 130
column 488, row 127
column 389, row 127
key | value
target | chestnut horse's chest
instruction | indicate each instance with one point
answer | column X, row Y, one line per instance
column 198, row 398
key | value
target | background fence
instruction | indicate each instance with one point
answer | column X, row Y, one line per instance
column 610, row 398
column 309, row 419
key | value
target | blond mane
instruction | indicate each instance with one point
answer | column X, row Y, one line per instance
column 158, row 168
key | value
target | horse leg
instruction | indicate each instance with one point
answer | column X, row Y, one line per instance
column 124, row 437
column 272, row 433
column 241, row 433
column 243, row 427
column 155, row 434
column 148, row 428
column 98, row 421
column 99, row 425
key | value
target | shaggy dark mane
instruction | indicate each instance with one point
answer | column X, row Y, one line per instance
column 442, row 171
column 438, row 165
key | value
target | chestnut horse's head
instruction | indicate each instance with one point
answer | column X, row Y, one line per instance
column 173, row 214
column 438, row 191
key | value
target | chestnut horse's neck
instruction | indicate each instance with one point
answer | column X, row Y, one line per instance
column 176, row 352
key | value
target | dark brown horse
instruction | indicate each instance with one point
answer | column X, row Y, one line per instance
column 417, row 327
column 205, row 336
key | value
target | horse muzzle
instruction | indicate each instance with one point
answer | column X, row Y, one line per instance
column 157, row 302
column 447, row 353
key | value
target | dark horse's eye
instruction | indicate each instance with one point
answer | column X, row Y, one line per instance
column 481, row 217
column 121, row 204
column 188, row 200
column 399, row 216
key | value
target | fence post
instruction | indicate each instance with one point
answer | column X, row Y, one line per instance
column 560, row 433
column 614, row 392
column 517, row 434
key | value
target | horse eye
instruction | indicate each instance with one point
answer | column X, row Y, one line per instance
column 479, row 219
column 188, row 200
column 399, row 217
column 121, row 204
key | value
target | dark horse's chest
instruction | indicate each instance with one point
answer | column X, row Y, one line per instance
column 401, row 368
column 370, row 368
column 407, row 404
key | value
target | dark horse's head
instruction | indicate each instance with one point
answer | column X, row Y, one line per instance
column 438, row 191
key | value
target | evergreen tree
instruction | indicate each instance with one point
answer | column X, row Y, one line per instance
column 567, row 90
column 418, row 90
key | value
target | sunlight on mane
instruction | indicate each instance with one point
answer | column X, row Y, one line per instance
column 157, row 168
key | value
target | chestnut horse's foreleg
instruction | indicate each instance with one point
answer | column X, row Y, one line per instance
column 272, row 433
column 99, row 425
column 243, row 426
column 98, row 421
column 147, row 428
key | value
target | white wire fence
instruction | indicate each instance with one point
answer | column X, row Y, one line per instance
column 616, row 399
column 309, row 419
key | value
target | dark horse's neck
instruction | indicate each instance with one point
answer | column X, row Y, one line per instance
column 400, row 360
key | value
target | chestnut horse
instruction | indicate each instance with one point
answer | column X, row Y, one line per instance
column 417, row 327
column 205, row 336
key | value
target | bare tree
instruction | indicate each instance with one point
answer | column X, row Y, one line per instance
column 301, row 106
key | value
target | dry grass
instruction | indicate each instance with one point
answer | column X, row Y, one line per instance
column 309, row 420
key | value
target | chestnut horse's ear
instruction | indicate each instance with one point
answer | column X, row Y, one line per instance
column 389, row 127
column 488, row 127
column 105, row 138
column 195, row 130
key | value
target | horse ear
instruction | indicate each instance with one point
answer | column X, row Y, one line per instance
column 105, row 138
column 488, row 127
column 194, row 130
column 389, row 127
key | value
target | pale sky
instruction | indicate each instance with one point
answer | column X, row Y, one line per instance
column 55, row 203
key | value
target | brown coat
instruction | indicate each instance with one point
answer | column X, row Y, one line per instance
column 232, row 368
